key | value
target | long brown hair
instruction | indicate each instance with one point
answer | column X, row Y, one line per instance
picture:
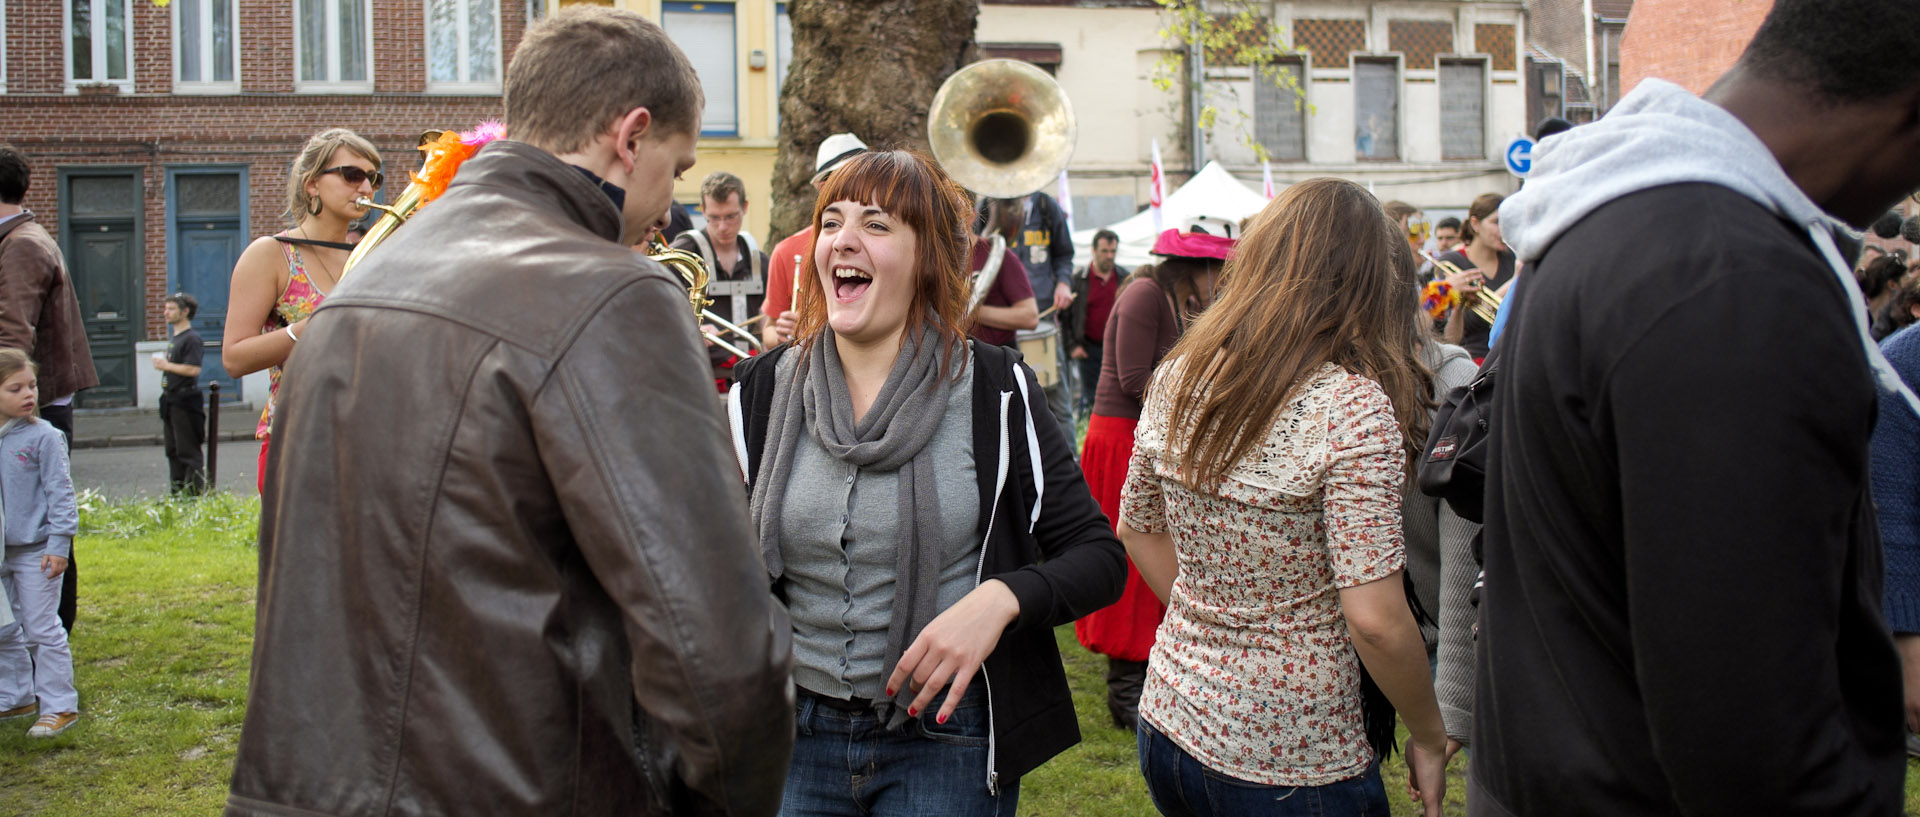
column 1321, row 276
column 910, row 187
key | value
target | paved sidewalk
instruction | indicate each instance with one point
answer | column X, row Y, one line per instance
column 112, row 428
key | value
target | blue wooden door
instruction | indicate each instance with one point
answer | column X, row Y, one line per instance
column 207, row 233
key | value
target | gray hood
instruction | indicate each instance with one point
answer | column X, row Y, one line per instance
column 1659, row 135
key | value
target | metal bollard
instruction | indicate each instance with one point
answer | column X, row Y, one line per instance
column 213, row 435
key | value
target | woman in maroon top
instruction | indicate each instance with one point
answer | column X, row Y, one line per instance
column 1145, row 324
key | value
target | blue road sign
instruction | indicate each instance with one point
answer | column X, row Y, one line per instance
column 1520, row 156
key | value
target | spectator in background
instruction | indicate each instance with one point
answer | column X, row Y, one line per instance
column 1484, row 262
column 1045, row 246
column 789, row 255
column 36, row 490
column 1009, row 306
column 1878, row 281
column 1404, row 216
column 183, row 412
column 1896, row 496
column 1902, row 310
column 40, row 314
column 737, row 279
column 678, row 222
column 1446, row 238
column 1084, row 327
column 1149, row 316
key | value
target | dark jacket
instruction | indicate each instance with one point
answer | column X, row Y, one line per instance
column 505, row 565
column 1027, row 521
column 1073, row 322
column 39, row 311
column 1681, row 612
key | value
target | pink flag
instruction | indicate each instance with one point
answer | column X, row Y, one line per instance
column 1157, row 195
column 1266, row 180
column 1066, row 199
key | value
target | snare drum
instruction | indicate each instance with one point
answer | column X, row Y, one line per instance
column 1041, row 348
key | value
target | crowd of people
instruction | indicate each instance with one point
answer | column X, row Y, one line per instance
column 1603, row 482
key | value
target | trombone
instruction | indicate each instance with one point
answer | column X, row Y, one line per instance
column 693, row 272
column 1486, row 302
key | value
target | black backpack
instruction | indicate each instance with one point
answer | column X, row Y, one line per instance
column 1454, row 465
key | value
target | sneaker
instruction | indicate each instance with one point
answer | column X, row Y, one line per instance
column 1913, row 744
column 19, row 711
column 52, row 724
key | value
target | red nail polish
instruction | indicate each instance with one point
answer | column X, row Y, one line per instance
column 889, row 692
column 941, row 719
column 913, row 712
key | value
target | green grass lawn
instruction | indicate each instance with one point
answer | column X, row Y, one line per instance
column 162, row 646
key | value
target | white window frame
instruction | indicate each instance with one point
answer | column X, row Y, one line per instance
column 463, row 86
column 734, row 58
column 99, row 40
column 231, row 86
column 1486, row 104
column 333, row 54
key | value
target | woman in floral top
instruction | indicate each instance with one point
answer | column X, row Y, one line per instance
column 1263, row 504
column 282, row 278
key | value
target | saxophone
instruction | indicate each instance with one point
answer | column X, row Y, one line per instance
column 693, row 271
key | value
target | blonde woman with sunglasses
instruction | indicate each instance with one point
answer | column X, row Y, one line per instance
column 282, row 278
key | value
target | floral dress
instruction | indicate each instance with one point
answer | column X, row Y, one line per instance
column 1253, row 672
column 296, row 302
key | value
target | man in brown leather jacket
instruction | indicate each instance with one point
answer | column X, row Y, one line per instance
column 505, row 567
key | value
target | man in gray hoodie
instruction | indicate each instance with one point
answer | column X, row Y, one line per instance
column 1681, row 612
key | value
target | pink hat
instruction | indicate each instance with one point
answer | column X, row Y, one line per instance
column 1193, row 245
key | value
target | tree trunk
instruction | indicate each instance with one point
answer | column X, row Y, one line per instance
column 866, row 67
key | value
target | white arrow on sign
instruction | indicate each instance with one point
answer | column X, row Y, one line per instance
column 1520, row 156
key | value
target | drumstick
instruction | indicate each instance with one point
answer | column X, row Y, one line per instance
column 793, row 300
column 1048, row 311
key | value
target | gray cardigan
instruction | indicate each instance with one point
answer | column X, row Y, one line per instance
column 37, row 488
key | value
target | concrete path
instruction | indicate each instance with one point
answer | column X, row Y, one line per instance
column 117, row 451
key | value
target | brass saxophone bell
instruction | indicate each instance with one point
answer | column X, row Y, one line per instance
column 689, row 267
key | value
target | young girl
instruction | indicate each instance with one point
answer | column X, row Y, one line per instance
column 40, row 518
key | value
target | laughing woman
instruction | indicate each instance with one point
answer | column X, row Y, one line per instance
column 906, row 501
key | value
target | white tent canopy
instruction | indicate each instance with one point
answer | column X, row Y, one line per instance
column 1213, row 198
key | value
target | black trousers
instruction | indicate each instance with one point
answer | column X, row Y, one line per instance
column 1125, row 680
column 61, row 417
column 183, row 434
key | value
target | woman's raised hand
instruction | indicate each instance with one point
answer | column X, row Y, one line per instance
column 953, row 646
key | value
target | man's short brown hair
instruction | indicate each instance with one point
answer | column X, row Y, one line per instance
column 720, row 184
column 576, row 71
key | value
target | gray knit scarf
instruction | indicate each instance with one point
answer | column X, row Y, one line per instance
column 890, row 437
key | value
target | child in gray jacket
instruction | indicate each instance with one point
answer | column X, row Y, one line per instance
column 40, row 519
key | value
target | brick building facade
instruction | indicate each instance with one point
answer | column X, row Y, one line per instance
column 1573, row 61
column 155, row 184
column 1688, row 42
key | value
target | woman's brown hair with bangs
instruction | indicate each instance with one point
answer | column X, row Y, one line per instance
column 912, row 188
column 1321, row 276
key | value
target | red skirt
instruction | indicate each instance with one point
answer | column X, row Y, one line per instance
column 1125, row 629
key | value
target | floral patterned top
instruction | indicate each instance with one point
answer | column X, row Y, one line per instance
column 296, row 302
column 1253, row 672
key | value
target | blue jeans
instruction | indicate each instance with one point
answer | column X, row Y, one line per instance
column 1182, row 787
column 849, row 763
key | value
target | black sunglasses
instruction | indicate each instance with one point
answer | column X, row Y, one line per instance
column 354, row 175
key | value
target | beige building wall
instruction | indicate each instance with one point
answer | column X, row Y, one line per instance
column 751, row 153
column 1108, row 56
